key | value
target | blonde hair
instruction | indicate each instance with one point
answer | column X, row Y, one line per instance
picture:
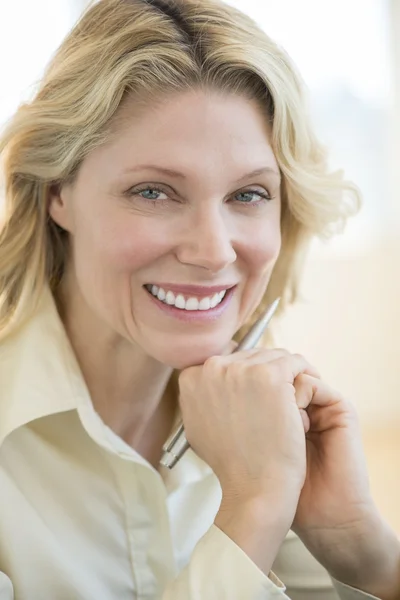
column 142, row 47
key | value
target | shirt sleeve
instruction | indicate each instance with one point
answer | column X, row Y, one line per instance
column 6, row 588
column 220, row 570
column 349, row 593
column 306, row 579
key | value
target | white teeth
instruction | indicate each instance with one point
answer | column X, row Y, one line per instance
column 180, row 302
column 192, row 304
column 215, row 300
column 205, row 304
column 161, row 294
column 170, row 298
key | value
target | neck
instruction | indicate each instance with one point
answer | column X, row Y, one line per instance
column 129, row 389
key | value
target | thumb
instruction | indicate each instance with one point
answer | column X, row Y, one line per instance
column 305, row 387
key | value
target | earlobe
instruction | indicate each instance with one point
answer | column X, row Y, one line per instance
column 58, row 206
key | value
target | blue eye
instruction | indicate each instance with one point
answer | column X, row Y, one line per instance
column 247, row 197
column 150, row 192
column 156, row 195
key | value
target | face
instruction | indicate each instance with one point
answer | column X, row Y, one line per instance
column 175, row 224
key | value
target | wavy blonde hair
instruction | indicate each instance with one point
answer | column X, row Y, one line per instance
column 142, row 48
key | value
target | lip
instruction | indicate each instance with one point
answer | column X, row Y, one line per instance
column 193, row 316
column 194, row 290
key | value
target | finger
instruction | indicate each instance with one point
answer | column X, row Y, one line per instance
column 304, row 386
column 304, row 389
column 289, row 366
column 311, row 391
column 326, row 408
column 264, row 355
column 258, row 355
column 282, row 364
column 306, row 420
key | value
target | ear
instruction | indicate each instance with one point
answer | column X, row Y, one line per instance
column 60, row 205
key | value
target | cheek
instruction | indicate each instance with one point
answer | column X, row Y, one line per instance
column 123, row 245
column 260, row 255
column 262, row 247
column 108, row 254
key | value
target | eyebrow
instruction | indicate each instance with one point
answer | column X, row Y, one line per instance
column 179, row 175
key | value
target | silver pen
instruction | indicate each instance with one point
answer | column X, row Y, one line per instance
column 177, row 444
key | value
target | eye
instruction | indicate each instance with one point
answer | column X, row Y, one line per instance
column 253, row 197
column 150, row 194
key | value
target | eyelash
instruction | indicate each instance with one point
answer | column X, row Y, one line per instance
column 266, row 197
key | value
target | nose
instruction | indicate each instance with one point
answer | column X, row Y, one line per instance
column 207, row 242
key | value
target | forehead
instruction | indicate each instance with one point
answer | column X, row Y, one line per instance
column 195, row 129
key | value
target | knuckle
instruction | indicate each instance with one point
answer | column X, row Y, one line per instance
column 283, row 352
column 302, row 380
column 212, row 363
column 272, row 354
column 283, row 367
column 271, row 372
column 298, row 356
column 235, row 371
column 349, row 407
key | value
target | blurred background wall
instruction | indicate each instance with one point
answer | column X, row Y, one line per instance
column 348, row 319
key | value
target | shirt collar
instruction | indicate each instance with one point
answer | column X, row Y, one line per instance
column 39, row 373
column 40, row 376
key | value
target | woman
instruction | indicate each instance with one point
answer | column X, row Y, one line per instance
column 161, row 188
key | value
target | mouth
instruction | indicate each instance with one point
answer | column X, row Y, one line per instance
column 188, row 302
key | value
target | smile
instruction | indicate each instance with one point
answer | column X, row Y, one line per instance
column 185, row 302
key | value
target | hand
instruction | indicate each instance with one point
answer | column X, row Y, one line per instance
column 336, row 517
column 336, row 488
column 240, row 416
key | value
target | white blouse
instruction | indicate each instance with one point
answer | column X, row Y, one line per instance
column 84, row 517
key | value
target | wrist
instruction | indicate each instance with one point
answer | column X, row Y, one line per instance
column 366, row 557
column 378, row 572
column 261, row 510
column 280, row 495
column 258, row 525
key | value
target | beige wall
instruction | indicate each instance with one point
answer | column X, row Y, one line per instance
column 394, row 166
column 348, row 325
